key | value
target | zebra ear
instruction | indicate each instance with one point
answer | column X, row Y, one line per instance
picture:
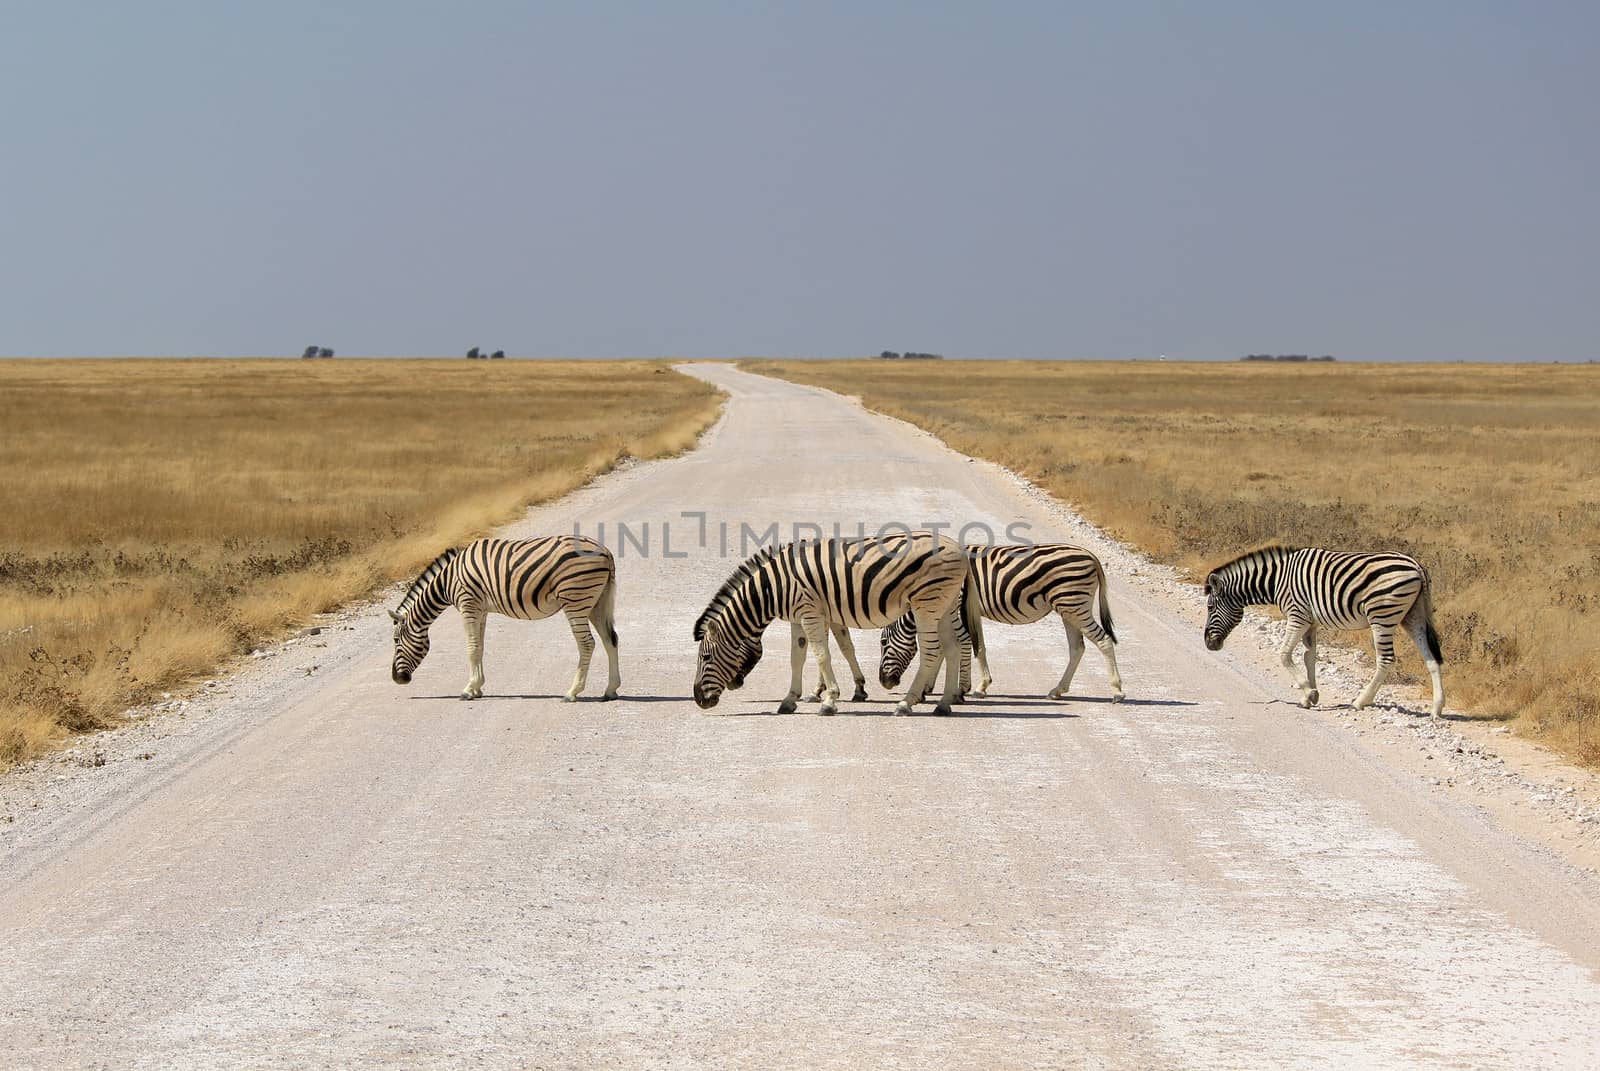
column 396, row 618
column 700, row 628
column 1209, row 578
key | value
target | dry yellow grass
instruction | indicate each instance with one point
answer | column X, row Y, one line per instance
column 161, row 516
column 1486, row 473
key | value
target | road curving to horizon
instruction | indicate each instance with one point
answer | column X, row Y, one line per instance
column 323, row 869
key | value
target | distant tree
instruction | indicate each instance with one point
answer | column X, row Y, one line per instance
column 324, row 352
column 311, row 351
column 889, row 355
column 498, row 355
column 473, row 354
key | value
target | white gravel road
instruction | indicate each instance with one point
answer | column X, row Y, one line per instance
column 307, row 866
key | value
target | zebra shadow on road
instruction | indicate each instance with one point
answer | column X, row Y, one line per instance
column 993, row 707
column 965, row 710
column 558, row 696
column 1398, row 709
column 1033, row 706
column 1104, row 700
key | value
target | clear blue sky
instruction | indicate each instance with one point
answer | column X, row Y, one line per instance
column 1395, row 180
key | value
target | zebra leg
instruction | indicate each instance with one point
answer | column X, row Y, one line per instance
column 1311, row 663
column 1074, row 656
column 817, row 635
column 980, row 654
column 605, row 621
column 474, row 621
column 841, row 634
column 1296, row 630
column 847, row 647
column 928, row 653
column 581, row 632
column 613, row 669
column 1383, row 655
column 950, row 650
column 1416, row 623
column 921, row 694
column 965, row 688
column 1107, row 648
column 816, row 694
column 797, row 668
column 918, row 697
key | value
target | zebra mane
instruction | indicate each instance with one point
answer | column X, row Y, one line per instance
column 1266, row 551
column 421, row 582
column 747, row 568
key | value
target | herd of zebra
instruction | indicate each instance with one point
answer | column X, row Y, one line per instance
column 929, row 597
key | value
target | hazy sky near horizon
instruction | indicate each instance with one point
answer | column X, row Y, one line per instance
column 1378, row 181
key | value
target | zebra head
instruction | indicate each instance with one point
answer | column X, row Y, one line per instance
column 899, row 646
column 1224, row 609
column 410, row 647
column 725, row 659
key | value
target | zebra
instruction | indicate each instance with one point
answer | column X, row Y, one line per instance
column 1334, row 589
column 822, row 586
column 1020, row 584
column 529, row 579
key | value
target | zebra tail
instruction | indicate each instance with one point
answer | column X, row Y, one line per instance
column 607, row 605
column 972, row 617
column 1105, row 606
column 1430, row 633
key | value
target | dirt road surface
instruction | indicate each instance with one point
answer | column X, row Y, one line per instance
column 312, row 867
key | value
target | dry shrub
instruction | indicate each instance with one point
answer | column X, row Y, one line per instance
column 1485, row 473
column 161, row 516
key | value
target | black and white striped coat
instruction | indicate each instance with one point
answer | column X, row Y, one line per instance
column 1019, row 585
column 528, row 579
column 822, row 585
column 1332, row 589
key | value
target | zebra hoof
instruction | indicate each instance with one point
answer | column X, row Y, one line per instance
column 608, row 697
column 1311, row 698
column 902, row 708
column 787, row 706
column 812, row 698
column 828, row 709
column 469, row 696
column 569, row 698
column 1116, row 697
column 860, row 696
column 943, row 710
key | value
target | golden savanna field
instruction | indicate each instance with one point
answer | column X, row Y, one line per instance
column 1488, row 474
column 160, row 516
